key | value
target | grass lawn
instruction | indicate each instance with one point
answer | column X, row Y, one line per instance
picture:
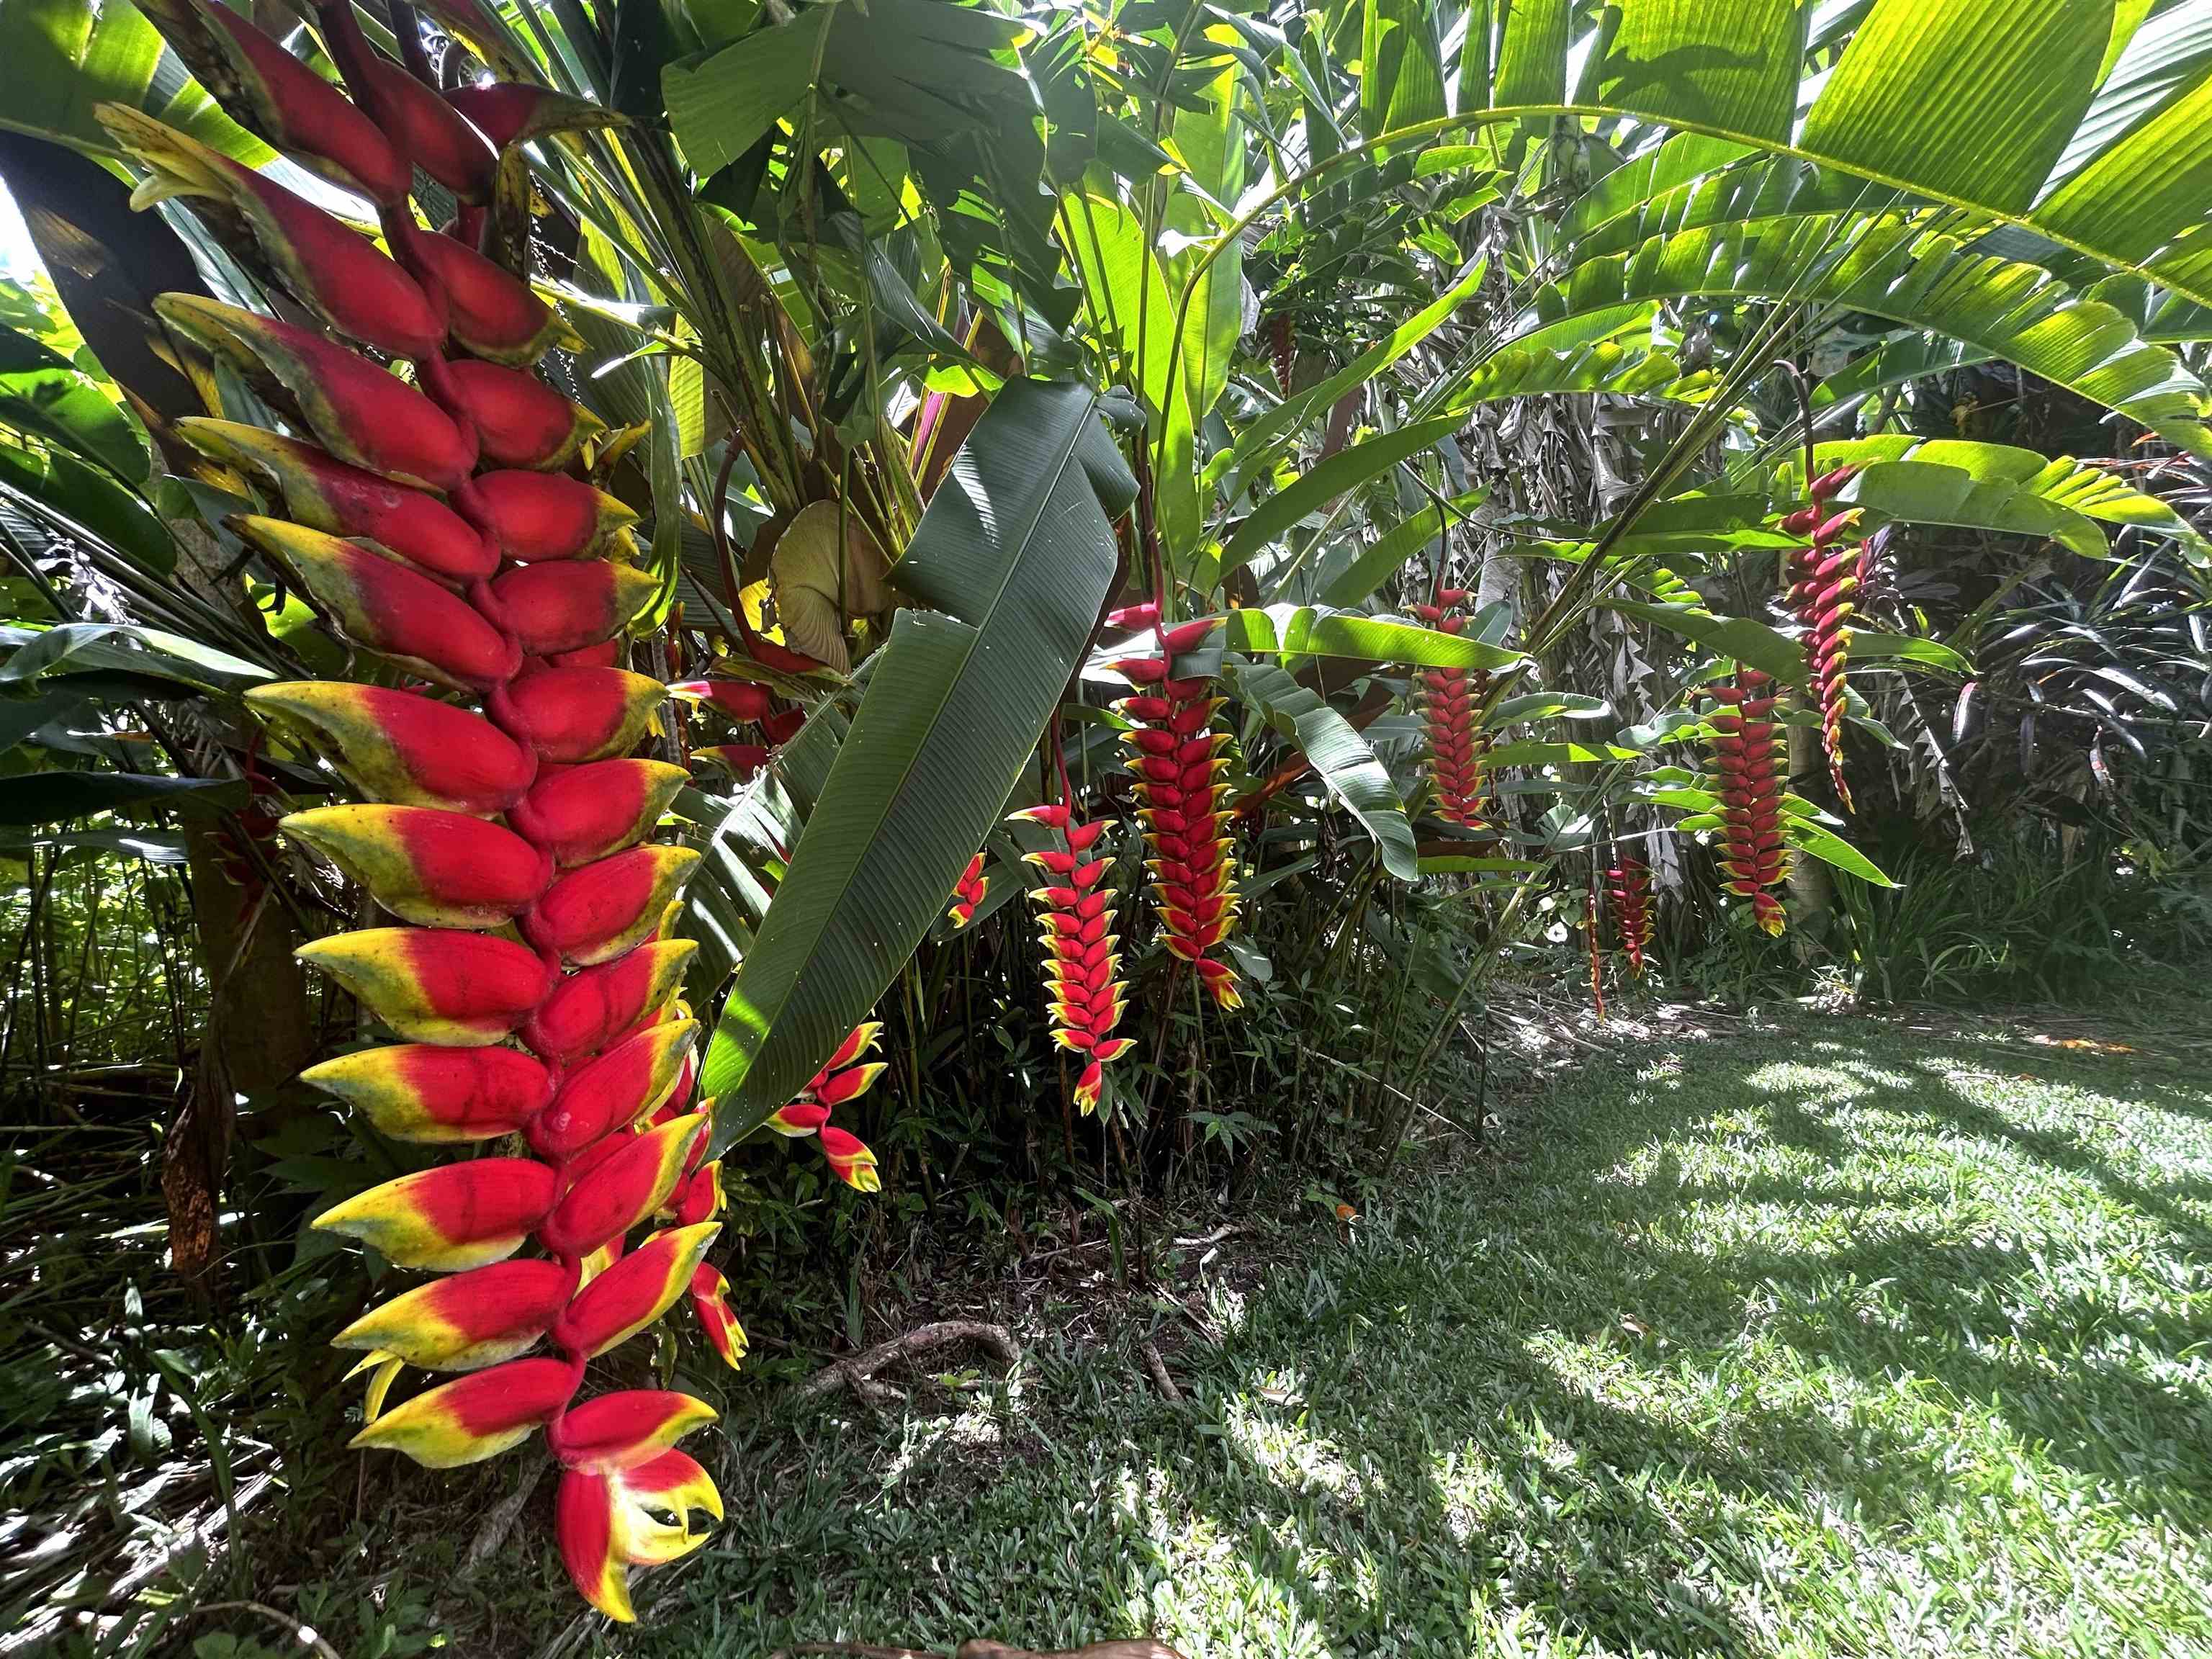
column 1846, row 1339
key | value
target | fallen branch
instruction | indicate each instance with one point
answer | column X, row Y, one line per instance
column 1158, row 1369
column 857, row 1371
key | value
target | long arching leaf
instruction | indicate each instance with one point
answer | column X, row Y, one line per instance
column 1340, row 756
column 1016, row 551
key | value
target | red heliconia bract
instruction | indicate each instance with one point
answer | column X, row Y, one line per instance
column 1746, row 776
column 1449, row 698
column 573, row 1043
column 1083, row 995
column 324, row 493
column 1174, row 757
column 845, row 1075
column 517, row 419
column 1824, row 578
column 1628, row 886
column 967, row 892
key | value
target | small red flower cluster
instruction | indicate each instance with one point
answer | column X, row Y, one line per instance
column 1175, row 759
column 1628, row 885
column 1085, row 1000
column 1448, row 697
column 1746, row 776
column 1824, row 578
column 842, row 1078
column 968, row 892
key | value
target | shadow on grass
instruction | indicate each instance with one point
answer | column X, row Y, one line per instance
column 1748, row 1352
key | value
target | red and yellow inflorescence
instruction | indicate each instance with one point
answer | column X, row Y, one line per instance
column 448, row 525
column 1824, row 578
column 1175, row 759
column 845, row 1075
column 1084, row 996
column 1449, row 698
column 968, row 892
column 1628, row 886
column 1746, row 776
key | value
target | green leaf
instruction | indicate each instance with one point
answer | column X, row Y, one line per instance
column 1752, row 643
column 75, row 648
column 1532, row 752
column 1340, row 755
column 1829, row 848
column 1294, row 631
column 1016, row 549
column 54, row 797
column 1383, row 557
column 1346, row 470
column 1727, row 63
column 1973, row 98
column 40, row 393
column 720, row 107
column 1897, row 648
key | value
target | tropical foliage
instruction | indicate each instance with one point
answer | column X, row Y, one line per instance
column 1329, row 469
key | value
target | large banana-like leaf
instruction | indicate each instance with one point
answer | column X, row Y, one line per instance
column 1989, row 107
column 1300, row 632
column 1341, row 758
column 1889, row 266
column 1016, row 553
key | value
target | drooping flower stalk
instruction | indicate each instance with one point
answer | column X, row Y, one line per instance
column 1075, row 924
column 1746, row 776
column 967, row 892
column 1825, row 579
column 1175, row 759
column 1449, row 698
column 1628, row 886
column 1278, row 330
column 513, row 591
column 845, row 1075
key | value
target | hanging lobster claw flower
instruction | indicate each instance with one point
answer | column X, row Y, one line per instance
column 742, row 761
column 596, row 914
column 401, row 747
column 270, row 92
column 332, row 269
column 1628, row 885
column 614, row 1090
column 451, row 1217
column 698, row 1196
column 534, row 516
column 325, row 494
column 578, row 814
column 432, row 868
column 710, row 1300
column 798, row 1118
column 518, row 420
column 335, row 271
column 618, row 1194
column 606, row 1524
column 620, row 1431
column 468, row 1319
column 741, row 700
column 475, row 1417
column 634, row 1292
column 1824, row 578
column 514, row 112
column 489, row 309
column 384, row 605
column 573, row 715
column 423, row 1093
column 357, row 411
column 588, row 1010
column 850, row 1161
column 435, row 984
column 607, row 653
column 968, row 892
column 1746, row 775
column 567, row 605
column 429, row 130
